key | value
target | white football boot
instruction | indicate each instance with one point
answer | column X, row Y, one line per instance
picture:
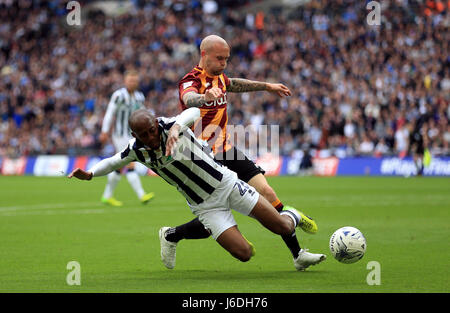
column 305, row 259
column 168, row 249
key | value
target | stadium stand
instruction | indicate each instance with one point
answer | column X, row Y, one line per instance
column 357, row 89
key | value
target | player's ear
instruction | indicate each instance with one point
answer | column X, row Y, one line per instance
column 203, row 53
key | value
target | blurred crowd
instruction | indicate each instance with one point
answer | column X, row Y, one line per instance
column 358, row 89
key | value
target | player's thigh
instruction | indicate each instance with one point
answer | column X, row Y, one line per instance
column 246, row 200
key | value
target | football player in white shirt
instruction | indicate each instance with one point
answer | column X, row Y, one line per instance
column 123, row 102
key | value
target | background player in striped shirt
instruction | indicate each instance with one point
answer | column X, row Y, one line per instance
column 206, row 87
column 123, row 102
column 170, row 149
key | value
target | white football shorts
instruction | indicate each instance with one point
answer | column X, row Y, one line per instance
column 215, row 212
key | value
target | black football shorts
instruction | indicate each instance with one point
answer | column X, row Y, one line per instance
column 238, row 162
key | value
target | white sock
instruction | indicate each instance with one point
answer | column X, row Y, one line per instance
column 135, row 182
column 113, row 179
column 419, row 164
column 293, row 215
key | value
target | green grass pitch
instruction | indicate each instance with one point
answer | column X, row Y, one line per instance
column 47, row 222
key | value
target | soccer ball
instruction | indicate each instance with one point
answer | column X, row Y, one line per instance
column 347, row 244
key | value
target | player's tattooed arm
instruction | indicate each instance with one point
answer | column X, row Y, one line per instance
column 244, row 85
column 194, row 100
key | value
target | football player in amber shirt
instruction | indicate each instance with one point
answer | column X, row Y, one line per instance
column 206, row 87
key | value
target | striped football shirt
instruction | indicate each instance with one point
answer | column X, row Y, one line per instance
column 191, row 168
column 120, row 107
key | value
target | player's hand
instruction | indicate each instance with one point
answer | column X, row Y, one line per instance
column 80, row 174
column 103, row 138
column 280, row 89
column 172, row 138
column 213, row 94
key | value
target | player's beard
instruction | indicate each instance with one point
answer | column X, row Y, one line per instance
column 217, row 72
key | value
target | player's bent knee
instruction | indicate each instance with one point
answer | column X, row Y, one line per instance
column 286, row 225
column 283, row 226
column 245, row 255
column 235, row 244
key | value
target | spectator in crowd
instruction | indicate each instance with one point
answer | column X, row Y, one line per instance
column 351, row 82
column 366, row 147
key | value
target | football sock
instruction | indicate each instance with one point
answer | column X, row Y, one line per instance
column 191, row 230
column 295, row 219
column 419, row 166
column 113, row 179
column 291, row 241
column 278, row 205
column 135, row 182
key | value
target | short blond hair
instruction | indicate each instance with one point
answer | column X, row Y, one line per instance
column 132, row 72
column 212, row 40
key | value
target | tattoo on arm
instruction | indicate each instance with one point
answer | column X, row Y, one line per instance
column 244, row 85
column 193, row 99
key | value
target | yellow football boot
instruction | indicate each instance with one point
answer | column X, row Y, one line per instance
column 111, row 201
column 147, row 197
column 306, row 223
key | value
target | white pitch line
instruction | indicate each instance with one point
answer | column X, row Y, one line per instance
column 44, row 206
column 54, row 212
column 72, row 212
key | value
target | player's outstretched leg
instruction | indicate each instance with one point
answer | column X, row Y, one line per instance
column 304, row 259
column 265, row 213
column 307, row 224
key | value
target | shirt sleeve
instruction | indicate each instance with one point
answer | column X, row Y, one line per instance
column 187, row 84
column 113, row 163
column 187, row 118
